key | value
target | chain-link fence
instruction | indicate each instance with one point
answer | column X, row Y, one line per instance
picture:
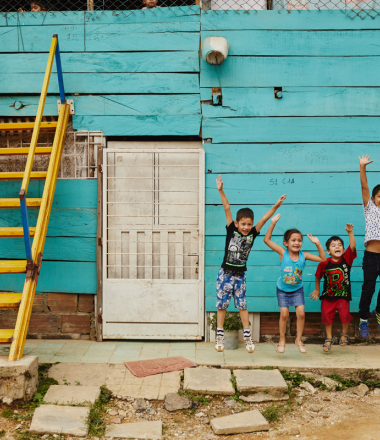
column 353, row 8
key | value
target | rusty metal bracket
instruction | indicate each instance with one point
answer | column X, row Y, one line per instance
column 37, row 268
column 100, row 241
column 29, row 270
column 100, row 319
column 217, row 97
column 100, row 168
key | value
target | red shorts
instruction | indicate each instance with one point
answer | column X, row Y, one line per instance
column 329, row 308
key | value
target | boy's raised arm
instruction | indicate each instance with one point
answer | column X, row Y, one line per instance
column 268, row 237
column 269, row 214
column 350, row 231
column 226, row 205
column 364, row 161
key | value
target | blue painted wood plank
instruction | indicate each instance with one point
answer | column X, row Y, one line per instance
column 306, row 20
column 308, row 218
column 268, row 258
column 184, row 13
column 326, row 188
column 8, row 39
column 64, row 222
column 216, row 243
column 292, row 129
column 297, row 157
column 181, row 125
column 106, row 105
column 272, row 273
column 143, row 37
column 291, row 71
column 186, row 61
column 120, row 83
column 283, row 43
column 69, row 193
column 56, row 248
column 62, row 276
column 296, row 101
column 270, row 304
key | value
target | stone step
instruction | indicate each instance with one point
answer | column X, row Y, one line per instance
column 249, row 421
column 206, row 380
column 72, row 395
column 139, row 430
column 260, row 380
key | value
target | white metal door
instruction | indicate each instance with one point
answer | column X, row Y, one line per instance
column 153, row 261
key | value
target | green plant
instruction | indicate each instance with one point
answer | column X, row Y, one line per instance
column 2, row 433
column 236, row 396
column 268, row 368
column 295, row 378
column 272, row 413
column 7, row 413
column 232, row 322
column 346, row 383
column 95, row 421
column 195, row 397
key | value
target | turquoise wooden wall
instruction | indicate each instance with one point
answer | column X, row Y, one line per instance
column 305, row 144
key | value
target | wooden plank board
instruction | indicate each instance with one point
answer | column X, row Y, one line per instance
column 306, row 20
column 308, row 218
column 38, row 38
column 270, row 304
column 292, row 129
column 120, row 83
column 106, row 62
column 184, row 13
column 69, row 193
column 291, row 71
column 295, row 101
column 181, row 125
column 326, row 188
column 283, row 43
column 56, row 248
column 106, row 105
column 143, row 37
column 269, row 258
column 62, row 276
column 64, row 222
column 216, row 243
column 299, row 157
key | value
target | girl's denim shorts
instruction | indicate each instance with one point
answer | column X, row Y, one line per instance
column 291, row 299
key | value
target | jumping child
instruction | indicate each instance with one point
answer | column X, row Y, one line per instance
column 371, row 260
column 231, row 277
column 289, row 286
column 336, row 295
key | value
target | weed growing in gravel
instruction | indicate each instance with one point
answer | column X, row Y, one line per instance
column 273, row 412
column 295, row 377
column 7, row 413
column 2, row 433
column 95, row 421
column 195, row 397
column 236, row 396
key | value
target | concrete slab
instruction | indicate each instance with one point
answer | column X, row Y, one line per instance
column 65, row 420
column 260, row 380
column 206, row 380
column 74, row 372
column 139, row 430
column 18, row 379
column 262, row 397
column 249, row 421
column 72, row 395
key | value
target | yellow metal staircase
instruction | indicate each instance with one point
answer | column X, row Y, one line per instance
column 34, row 250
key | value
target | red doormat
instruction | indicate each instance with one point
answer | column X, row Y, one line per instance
column 157, row 366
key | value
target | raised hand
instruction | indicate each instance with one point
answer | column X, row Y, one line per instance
column 314, row 295
column 365, row 160
column 219, row 183
column 275, row 219
column 313, row 239
column 280, row 200
column 349, row 227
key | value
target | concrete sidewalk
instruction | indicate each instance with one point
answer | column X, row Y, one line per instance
column 51, row 351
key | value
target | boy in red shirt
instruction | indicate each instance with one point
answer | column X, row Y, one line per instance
column 336, row 295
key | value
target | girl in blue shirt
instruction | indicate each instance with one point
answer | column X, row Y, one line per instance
column 290, row 286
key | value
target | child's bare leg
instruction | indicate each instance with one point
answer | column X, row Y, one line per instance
column 344, row 338
column 244, row 318
column 300, row 312
column 284, row 315
column 220, row 316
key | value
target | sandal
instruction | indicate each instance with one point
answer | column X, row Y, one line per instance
column 281, row 348
column 301, row 348
column 326, row 347
column 341, row 341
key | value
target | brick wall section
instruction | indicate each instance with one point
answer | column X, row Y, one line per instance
column 57, row 316
column 314, row 331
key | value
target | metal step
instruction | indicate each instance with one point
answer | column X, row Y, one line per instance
column 10, row 300
column 15, row 203
column 23, row 151
column 19, row 175
column 6, row 336
column 12, row 266
column 16, row 232
column 14, row 126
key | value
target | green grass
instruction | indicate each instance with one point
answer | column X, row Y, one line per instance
column 2, row 433
column 195, row 397
column 95, row 421
column 273, row 412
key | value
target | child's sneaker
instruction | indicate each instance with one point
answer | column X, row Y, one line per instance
column 219, row 343
column 249, row 345
column 363, row 329
column 376, row 316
